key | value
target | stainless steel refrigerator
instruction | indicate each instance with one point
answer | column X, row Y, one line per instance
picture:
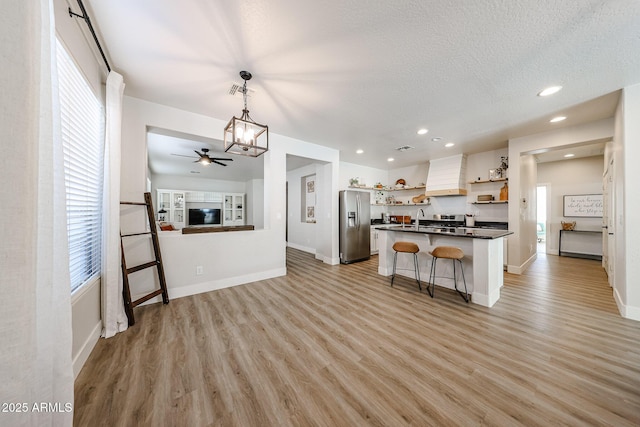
column 355, row 226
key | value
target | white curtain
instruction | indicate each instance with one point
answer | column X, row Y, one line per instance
column 35, row 292
column 114, row 318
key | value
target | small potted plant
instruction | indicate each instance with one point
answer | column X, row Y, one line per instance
column 501, row 172
column 379, row 197
column 353, row 182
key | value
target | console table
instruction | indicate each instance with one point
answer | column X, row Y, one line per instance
column 582, row 239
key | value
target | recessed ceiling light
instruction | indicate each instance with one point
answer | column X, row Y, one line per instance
column 449, row 144
column 569, row 155
column 360, row 151
column 557, row 119
column 436, row 139
column 390, row 159
column 550, row 91
column 423, row 131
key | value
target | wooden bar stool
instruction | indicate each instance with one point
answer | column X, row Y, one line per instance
column 454, row 254
column 410, row 248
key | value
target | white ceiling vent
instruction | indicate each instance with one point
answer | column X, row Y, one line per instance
column 405, row 148
column 236, row 90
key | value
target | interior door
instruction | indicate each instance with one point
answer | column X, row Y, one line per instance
column 608, row 222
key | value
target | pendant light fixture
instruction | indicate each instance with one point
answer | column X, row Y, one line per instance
column 243, row 135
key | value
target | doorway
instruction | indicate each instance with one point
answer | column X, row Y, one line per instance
column 541, row 218
column 608, row 222
column 308, row 227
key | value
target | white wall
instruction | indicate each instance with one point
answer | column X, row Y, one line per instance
column 368, row 176
column 527, row 208
column 413, row 175
column 478, row 166
column 86, row 322
column 523, row 228
column 255, row 203
column 565, row 177
column 227, row 258
column 627, row 199
column 327, row 218
column 85, row 303
column 187, row 183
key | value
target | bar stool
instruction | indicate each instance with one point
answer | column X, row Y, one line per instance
column 454, row 254
column 410, row 248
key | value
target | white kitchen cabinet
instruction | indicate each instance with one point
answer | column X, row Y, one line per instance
column 234, row 209
column 171, row 207
column 194, row 196
column 374, row 241
column 505, row 250
column 212, row 197
column 163, row 202
column 203, row 197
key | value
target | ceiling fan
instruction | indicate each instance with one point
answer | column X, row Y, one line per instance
column 204, row 159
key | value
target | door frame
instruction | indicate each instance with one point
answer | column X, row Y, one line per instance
column 608, row 220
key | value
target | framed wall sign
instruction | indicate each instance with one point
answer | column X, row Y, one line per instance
column 583, row 205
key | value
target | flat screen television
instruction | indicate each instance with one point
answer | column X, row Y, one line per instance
column 204, row 217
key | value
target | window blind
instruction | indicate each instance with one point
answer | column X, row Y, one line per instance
column 82, row 126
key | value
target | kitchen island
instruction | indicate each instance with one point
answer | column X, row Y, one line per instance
column 483, row 260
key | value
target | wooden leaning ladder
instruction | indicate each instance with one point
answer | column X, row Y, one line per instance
column 126, row 291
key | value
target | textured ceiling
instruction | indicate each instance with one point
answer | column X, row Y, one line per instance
column 368, row 74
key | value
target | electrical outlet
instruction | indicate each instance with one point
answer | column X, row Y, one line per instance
column 199, row 270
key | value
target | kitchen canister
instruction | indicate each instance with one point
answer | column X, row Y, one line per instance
column 470, row 221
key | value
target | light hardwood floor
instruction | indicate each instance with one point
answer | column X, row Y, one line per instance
column 337, row 346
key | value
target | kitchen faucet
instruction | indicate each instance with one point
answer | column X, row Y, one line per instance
column 418, row 217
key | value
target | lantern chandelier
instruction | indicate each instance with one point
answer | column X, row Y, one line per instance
column 243, row 135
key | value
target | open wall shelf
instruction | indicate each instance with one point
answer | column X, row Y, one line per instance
column 489, row 180
column 492, row 202
column 420, row 187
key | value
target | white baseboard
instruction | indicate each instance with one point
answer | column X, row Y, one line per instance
column 519, row 269
column 82, row 356
column 626, row 311
column 214, row 285
column 331, row 261
column 486, row 300
column 325, row 259
column 328, row 259
column 301, row 248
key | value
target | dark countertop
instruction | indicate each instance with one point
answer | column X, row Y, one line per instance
column 468, row 232
column 198, row 230
column 439, row 224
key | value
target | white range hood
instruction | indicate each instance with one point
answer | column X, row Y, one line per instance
column 447, row 176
